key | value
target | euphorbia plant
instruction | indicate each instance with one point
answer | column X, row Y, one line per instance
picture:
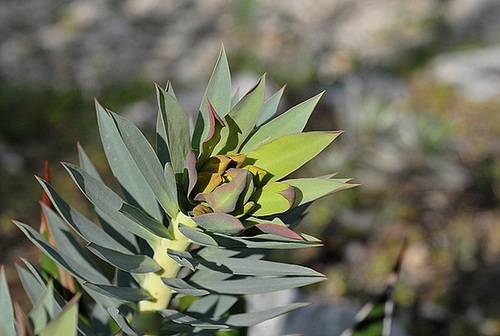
column 198, row 213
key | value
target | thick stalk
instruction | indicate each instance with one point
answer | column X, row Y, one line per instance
column 147, row 320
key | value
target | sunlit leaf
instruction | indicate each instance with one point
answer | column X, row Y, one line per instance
column 286, row 154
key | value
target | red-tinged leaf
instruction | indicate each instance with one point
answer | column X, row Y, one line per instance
column 220, row 223
column 225, row 197
column 278, row 230
column 214, row 134
column 192, row 174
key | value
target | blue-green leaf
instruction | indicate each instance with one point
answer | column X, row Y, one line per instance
column 120, row 293
column 82, row 226
column 250, row 319
column 183, row 258
column 182, row 287
column 251, row 285
column 197, row 236
column 7, row 321
column 241, row 119
column 44, row 309
column 107, row 205
column 122, row 321
column 219, row 93
column 132, row 182
column 292, row 121
column 181, row 318
column 176, row 126
column 74, row 268
column 33, row 282
column 133, row 263
column 270, row 107
column 86, row 164
column 149, row 165
column 147, row 222
column 286, row 154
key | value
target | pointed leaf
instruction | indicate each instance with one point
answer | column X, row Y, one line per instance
column 182, row 287
column 270, row 107
column 74, row 268
column 65, row 242
column 149, row 165
column 278, row 230
column 219, row 93
column 241, row 119
column 253, row 285
column 183, row 258
column 121, row 321
column 245, row 266
column 286, row 154
column 66, row 322
column 292, row 121
column 134, row 263
column 214, row 304
column 250, row 319
column 224, row 198
column 121, row 293
column 107, row 205
column 44, row 309
column 197, row 236
column 33, row 284
column 310, row 189
column 273, row 198
column 181, row 318
column 86, row 164
column 219, row 222
column 144, row 220
column 176, row 126
column 131, row 181
column 82, row 226
column 7, row 321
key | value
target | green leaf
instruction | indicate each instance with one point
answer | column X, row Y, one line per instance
column 197, row 236
column 149, row 165
column 219, row 93
column 133, row 263
column 144, row 220
column 176, row 126
column 183, row 258
column 270, row 107
column 251, row 285
column 82, row 226
column 310, row 189
column 273, row 198
column 66, row 322
column 182, row 287
column 286, row 154
column 219, row 222
column 7, row 321
column 132, row 182
column 120, row 293
column 107, row 205
column 292, row 121
column 241, row 119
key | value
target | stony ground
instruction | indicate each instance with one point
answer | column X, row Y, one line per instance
column 415, row 84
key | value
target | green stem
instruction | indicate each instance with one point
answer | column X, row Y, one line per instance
column 147, row 320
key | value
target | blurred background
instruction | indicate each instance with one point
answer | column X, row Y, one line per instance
column 414, row 84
